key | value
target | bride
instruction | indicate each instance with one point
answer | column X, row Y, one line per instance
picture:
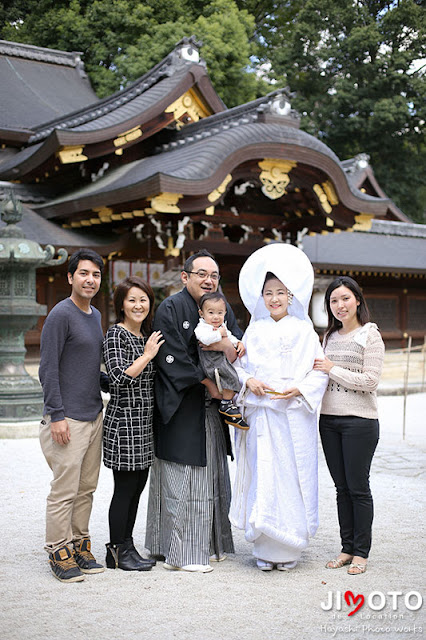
column 275, row 494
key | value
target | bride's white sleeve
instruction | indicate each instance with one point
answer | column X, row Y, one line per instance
column 241, row 365
column 314, row 384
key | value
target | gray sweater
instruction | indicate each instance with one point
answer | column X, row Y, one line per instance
column 70, row 358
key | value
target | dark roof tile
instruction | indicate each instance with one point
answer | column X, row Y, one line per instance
column 38, row 85
column 382, row 248
column 45, row 232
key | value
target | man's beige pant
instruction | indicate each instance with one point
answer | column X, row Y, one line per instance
column 75, row 469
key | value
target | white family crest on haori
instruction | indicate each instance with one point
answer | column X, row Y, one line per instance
column 275, row 495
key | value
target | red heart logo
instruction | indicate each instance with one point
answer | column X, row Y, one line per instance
column 348, row 596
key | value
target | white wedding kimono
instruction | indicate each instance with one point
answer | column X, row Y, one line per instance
column 275, row 495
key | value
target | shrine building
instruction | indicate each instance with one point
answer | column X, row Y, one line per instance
column 162, row 169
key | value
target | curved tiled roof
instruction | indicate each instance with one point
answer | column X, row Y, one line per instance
column 7, row 166
column 242, row 114
column 192, row 161
column 121, row 106
column 198, row 165
column 139, row 100
column 138, row 97
column 98, row 118
column 145, row 99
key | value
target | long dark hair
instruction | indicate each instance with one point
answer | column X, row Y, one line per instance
column 121, row 292
column 362, row 311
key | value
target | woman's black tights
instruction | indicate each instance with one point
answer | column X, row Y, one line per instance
column 128, row 486
column 349, row 443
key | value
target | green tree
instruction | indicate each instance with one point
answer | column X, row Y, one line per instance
column 355, row 66
column 122, row 39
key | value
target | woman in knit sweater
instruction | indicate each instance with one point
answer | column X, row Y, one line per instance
column 349, row 425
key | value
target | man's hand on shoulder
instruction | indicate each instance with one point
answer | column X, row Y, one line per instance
column 60, row 432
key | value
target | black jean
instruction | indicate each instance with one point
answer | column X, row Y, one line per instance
column 128, row 486
column 349, row 443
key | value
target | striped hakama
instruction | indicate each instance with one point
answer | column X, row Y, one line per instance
column 188, row 506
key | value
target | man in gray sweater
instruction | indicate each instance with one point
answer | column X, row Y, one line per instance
column 71, row 429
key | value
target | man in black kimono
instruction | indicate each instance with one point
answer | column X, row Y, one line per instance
column 190, row 489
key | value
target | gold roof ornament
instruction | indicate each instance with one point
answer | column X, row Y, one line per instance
column 128, row 136
column 166, row 202
column 363, row 222
column 220, row 190
column 322, row 198
column 330, row 192
column 171, row 249
column 70, row 154
column 188, row 103
column 104, row 213
column 274, row 176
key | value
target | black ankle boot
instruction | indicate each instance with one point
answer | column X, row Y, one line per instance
column 136, row 555
column 119, row 556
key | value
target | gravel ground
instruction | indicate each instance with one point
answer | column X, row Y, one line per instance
column 235, row 601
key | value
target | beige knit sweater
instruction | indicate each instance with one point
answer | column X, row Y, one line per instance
column 353, row 380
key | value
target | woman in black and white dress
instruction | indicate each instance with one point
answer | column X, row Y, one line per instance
column 128, row 445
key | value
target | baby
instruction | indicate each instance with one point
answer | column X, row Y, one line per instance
column 210, row 329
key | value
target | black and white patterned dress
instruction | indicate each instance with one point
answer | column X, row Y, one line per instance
column 128, row 443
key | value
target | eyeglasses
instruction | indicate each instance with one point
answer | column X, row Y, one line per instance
column 203, row 275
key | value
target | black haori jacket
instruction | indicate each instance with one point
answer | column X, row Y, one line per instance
column 179, row 416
